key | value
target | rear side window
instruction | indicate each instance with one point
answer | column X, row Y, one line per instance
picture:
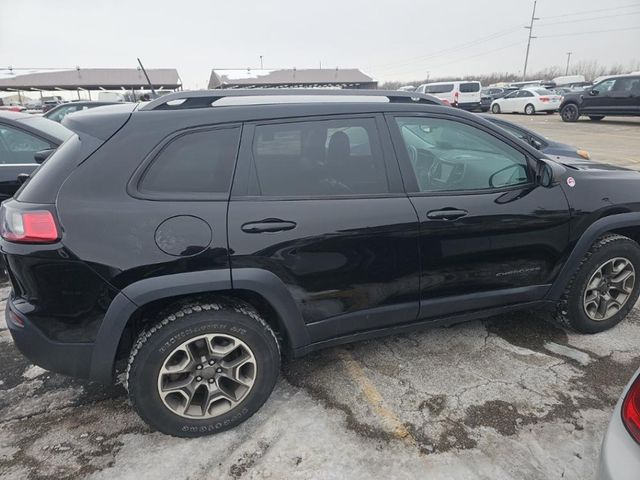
column 18, row 146
column 447, row 87
column 318, row 158
column 196, row 162
column 469, row 87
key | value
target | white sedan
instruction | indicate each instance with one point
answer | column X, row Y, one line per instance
column 527, row 100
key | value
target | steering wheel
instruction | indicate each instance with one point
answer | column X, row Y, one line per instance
column 422, row 162
column 511, row 180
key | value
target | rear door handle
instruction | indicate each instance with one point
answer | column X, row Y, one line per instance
column 446, row 214
column 268, row 225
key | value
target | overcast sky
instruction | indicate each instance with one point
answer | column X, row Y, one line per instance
column 390, row 40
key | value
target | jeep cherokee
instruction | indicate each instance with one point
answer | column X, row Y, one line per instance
column 189, row 242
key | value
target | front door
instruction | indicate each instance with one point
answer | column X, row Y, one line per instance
column 489, row 235
column 319, row 203
column 598, row 100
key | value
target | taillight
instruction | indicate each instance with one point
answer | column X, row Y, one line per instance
column 28, row 226
column 631, row 410
column 544, row 99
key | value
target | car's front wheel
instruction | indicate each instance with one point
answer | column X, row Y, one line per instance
column 203, row 369
column 495, row 108
column 604, row 288
column 570, row 112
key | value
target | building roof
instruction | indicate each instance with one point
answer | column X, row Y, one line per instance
column 91, row 79
column 309, row 77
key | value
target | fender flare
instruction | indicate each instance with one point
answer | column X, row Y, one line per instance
column 589, row 236
column 142, row 292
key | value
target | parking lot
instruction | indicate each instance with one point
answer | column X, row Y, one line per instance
column 511, row 397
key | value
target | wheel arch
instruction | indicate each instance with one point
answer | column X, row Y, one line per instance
column 627, row 224
column 260, row 288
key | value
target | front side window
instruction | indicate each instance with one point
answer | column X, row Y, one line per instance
column 448, row 156
column 197, row 162
column 604, row 87
column 444, row 88
column 318, row 158
column 18, row 146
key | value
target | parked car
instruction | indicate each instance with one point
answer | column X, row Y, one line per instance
column 25, row 141
column 58, row 112
column 620, row 453
column 218, row 230
column 527, row 100
column 49, row 104
column 617, row 95
column 462, row 94
column 545, row 145
column 489, row 94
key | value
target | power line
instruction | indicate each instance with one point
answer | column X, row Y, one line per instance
column 585, row 12
column 626, row 14
column 592, row 31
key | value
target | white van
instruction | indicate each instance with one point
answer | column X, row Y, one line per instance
column 459, row 93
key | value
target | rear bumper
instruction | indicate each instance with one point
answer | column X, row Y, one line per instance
column 67, row 358
column 469, row 106
column 620, row 454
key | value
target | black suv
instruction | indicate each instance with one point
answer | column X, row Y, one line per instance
column 190, row 241
column 618, row 95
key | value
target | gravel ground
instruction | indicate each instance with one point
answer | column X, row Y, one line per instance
column 511, row 397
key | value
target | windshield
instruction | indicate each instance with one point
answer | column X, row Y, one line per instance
column 49, row 127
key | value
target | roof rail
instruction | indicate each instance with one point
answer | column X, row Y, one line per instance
column 206, row 98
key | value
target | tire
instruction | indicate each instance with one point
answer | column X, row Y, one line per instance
column 570, row 112
column 529, row 109
column 596, row 118
column 250, row 342
column 495, row 108
column 575, row 311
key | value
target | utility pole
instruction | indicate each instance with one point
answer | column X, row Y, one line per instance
column 568, row 58
column 261, row 62
column 530, row 28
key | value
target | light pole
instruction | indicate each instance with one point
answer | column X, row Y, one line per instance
column 261, row 62
column 568, row 59
column 530, row 28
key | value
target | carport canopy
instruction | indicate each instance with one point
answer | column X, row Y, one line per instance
column 91, row 79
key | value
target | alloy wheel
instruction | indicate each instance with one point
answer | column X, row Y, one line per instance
column 569, row 113
column 206, row 376
column 609, row 288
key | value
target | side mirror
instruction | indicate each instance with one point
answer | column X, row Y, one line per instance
column 593, row 93
column 549, row 173
column 42, row 155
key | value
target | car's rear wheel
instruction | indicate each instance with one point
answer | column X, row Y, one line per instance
column 604, row 288
column 529, row 109
column 203, row 369
column 495, row 108
column 596, row 118
column 570, row 112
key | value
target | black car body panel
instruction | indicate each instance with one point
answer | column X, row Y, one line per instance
column 329, row 268
column 545, row 145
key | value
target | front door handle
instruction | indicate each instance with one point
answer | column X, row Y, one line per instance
column 268, row 225
column 446, row 214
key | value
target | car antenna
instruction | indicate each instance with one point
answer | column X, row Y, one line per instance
column 153, row 90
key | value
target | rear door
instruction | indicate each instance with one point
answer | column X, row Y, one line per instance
column 469, row 92
column 625, row 96
column 319, row 203
column 489, row 235
column 17, row 149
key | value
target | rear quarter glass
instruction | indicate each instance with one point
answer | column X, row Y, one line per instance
column 43, row 184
